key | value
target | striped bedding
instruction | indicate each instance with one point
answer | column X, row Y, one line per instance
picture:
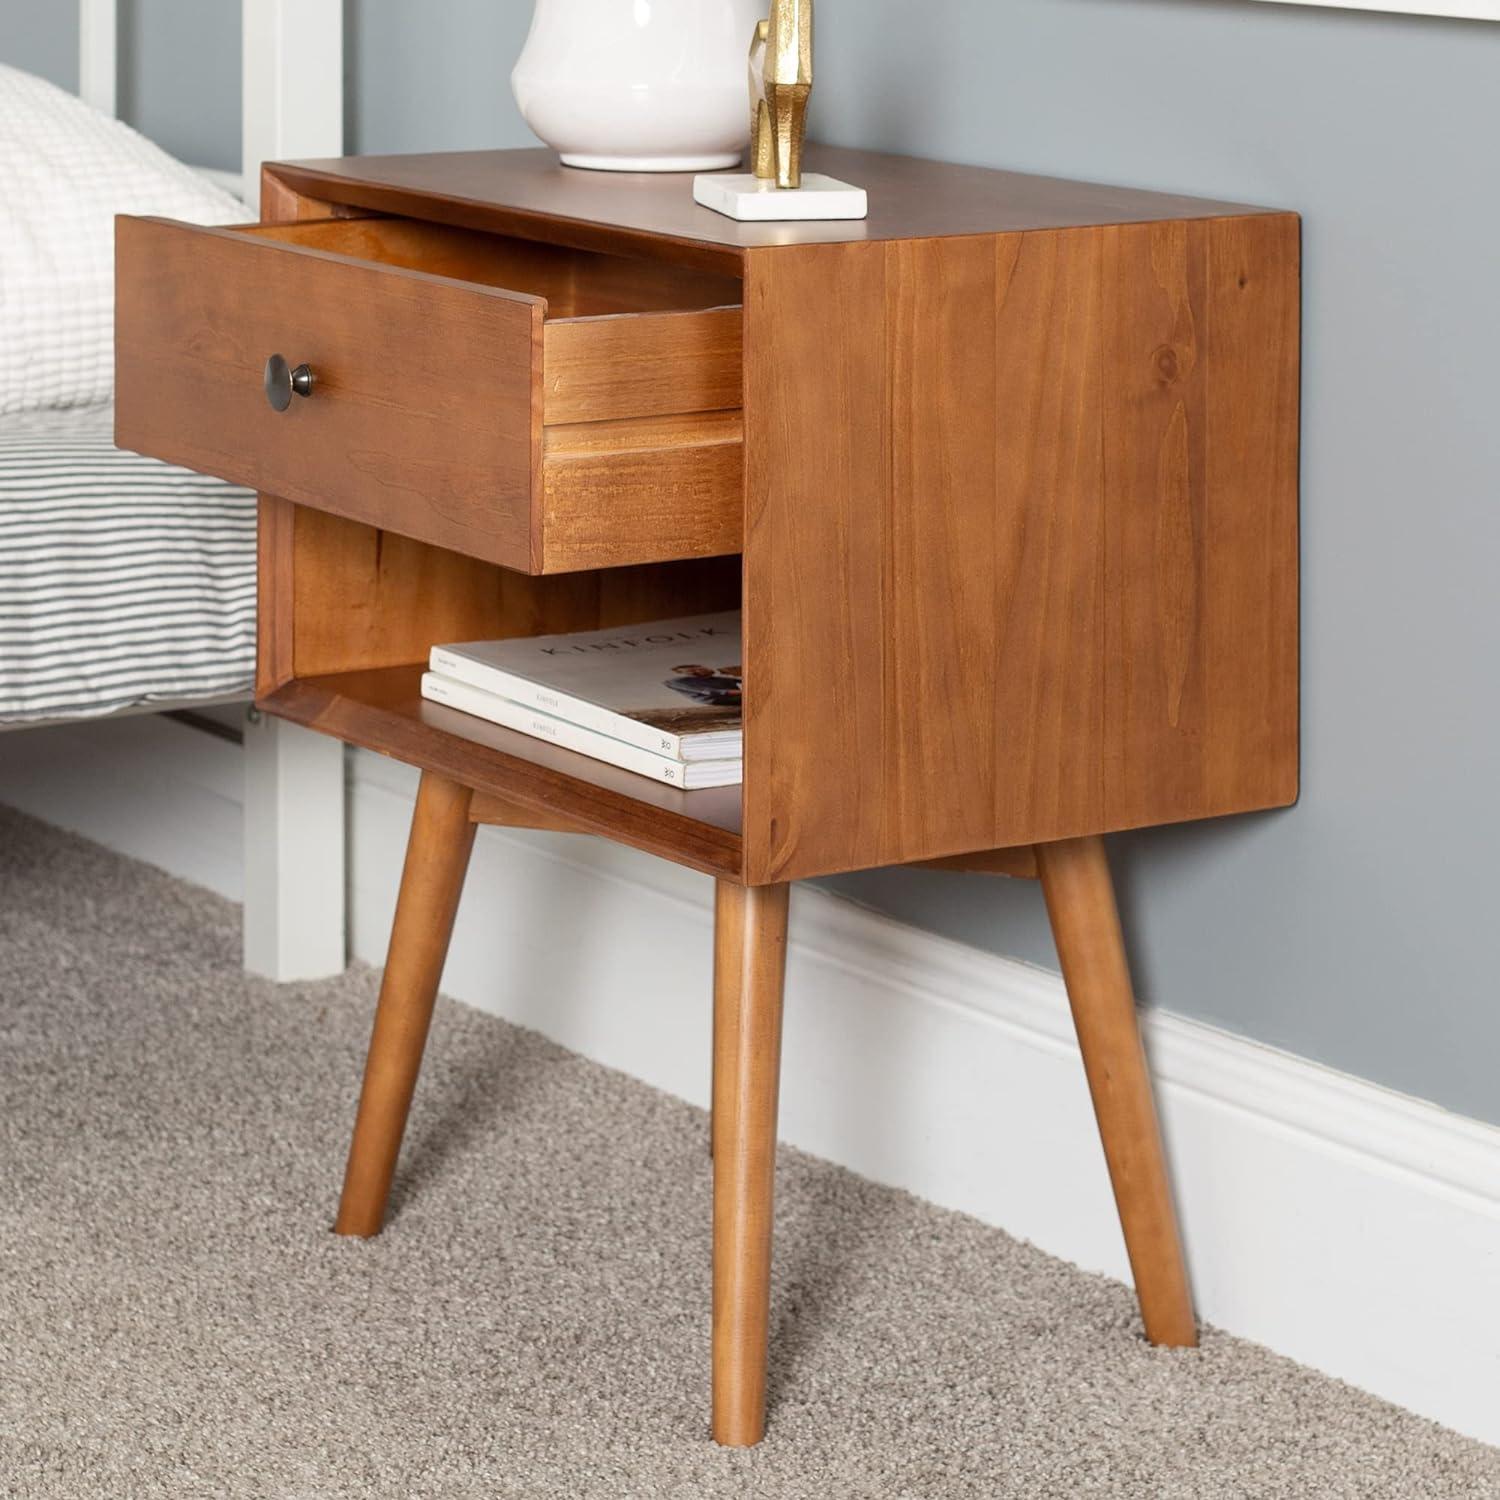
column 123, row 582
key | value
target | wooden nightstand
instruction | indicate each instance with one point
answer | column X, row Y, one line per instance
column 1004, row 478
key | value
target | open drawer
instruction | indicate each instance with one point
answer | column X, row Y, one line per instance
column 539, row 407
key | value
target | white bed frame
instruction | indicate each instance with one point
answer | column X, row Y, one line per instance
column 292, row 64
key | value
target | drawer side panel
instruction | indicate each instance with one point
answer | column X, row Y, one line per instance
column 604, row 369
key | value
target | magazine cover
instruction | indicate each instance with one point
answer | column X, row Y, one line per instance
column 680, row 679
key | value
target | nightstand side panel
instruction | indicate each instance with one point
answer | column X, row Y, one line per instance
column 1020, row 557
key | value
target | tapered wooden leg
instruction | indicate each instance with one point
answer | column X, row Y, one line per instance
column 437, row 855
column 726, row 966
column 749, row 965
column 1086, row 926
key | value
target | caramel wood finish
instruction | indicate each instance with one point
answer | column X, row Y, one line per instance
column 503, row 813
column 528, row 194
column 437, row 855
column 275, row 548
column 1013, row 465
column 281, row 203
column 1019, row 863
column 276, row 519
column 383, row 710
column 602, row 368
column 750, row 929
column 727, row 911
column 425, row 418
column 628, row 492
column 574, row 283
column 361, row 597
column 470, row 465
column 1086, row 925
column 654, row 435
column 437, row 249
column 1023, row 549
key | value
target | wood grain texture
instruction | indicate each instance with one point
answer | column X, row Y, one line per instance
column 1017, row 863
column 1086, row 925
column 437, row 249
column 282, row 203
column 636, row 491
column 275, row 551
column 655, row 434
column 426, row 414
column 366, row 598
column 276, row 518
column 502, row 812
column 423, row 421
column 750, row 928
column 1200, row 545
column 363, row 597
column 1013, row 464
column 575, row 283
column 383, row 710
column 1024, row 548
column 598, row 369
column 437, row 856
column 728, row 911
column 529, row 194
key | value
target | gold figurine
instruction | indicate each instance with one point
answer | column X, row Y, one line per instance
column 780, row 81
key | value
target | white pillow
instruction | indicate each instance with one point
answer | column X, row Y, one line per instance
column 65, row 172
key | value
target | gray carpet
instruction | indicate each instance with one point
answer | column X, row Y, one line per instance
column 178, row 1321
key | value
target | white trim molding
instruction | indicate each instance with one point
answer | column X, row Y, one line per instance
column 292, row 77
column 144, row 784
column 98, row 54
column 292, row 85
column 293, row 850
column 292, row 841
column 261, row 823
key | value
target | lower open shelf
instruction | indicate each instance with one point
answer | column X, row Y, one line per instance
column 384, row 710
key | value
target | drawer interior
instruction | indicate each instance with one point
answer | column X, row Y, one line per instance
column 575, row 283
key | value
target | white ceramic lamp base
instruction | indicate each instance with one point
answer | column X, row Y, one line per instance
column 599, row 163
column 743, row 195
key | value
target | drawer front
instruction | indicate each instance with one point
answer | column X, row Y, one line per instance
column 620, row 492
column 425, row 412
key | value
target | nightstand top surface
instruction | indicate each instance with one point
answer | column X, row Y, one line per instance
column 521, row 192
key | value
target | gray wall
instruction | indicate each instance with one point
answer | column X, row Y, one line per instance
column 42, row 37
column 180, row 76
column 433, row 77
column 1357, row 928
column 179, row 67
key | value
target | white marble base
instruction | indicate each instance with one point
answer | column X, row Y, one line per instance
column 743, row 195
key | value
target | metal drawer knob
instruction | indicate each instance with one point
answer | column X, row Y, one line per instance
column 283, row 382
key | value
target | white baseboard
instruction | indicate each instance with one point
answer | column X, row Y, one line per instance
column 1351, row 1228
column 151, row 787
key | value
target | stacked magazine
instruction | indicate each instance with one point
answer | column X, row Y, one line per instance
column 661, row 699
